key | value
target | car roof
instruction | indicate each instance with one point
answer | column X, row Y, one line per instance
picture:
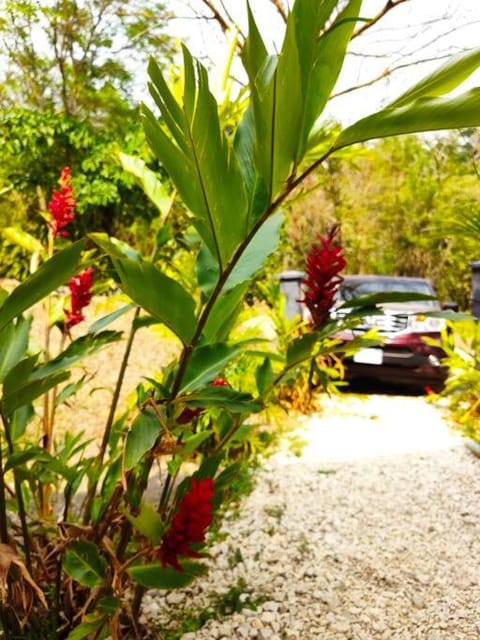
column 372, row 277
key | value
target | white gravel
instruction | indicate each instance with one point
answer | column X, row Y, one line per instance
column 373, row 533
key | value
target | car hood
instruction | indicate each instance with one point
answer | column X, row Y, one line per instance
column 409, row 307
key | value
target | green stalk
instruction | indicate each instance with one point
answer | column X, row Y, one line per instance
column 18, row 490
column 3, row 504
column 111, row 417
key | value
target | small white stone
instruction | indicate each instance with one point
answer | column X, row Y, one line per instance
column 270, row 605
column 268, row 617
column 175, row 597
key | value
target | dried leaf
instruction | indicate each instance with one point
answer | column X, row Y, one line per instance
column 8, row 556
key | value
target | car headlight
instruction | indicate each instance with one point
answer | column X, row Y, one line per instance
column 420, row 323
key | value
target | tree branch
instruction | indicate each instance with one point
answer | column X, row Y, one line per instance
column 217, row 15
column 385, row 74
column 389, row 5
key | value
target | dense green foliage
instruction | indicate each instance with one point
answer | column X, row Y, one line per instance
column 33, row 146
column 462, row 348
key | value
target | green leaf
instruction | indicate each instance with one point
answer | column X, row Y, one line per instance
column 320, row 59
column 114, row 248
column 108, row 605
column 68, row 391
column 194, row 440
column 206, row 362
column 84, row 564
column 208, row 468
column 25, row 240
column 19, row 458
column 301, row 348
column 85, row 629
column 142, row 436
column 25, row 393
column 289, row 91
column 19, row 374
column 153, row 188
column 76, row 351
column 101, row 323
column 264, row 376
column 244, row 144
column 51, row 274
column 199, row 160
column 424, row 114
column 20, row 419
column 254, row 51
column 148, row 522
column 223, row 397
column 263, row 243
column 154, row 576
column 13, row 344
column 457, row 69
column 161, row 296
column 224, row 314
column 207, row 270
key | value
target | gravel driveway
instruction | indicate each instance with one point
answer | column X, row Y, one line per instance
column 372, row 533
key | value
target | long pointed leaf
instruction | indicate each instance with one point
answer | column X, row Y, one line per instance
column 320, row 74
column 153, row 188
column 142, row 436
column 261, row 246
column 245, row 141
column 76, row 351
column 163, row 297
column 83, row 562
column 26, row 393
column 449, row 76
column 224, row 314
column 13, row 344
column 425, row 114
column 207, row 362
column 51, row 274
column 202, row 166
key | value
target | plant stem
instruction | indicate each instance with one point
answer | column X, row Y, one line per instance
column 111, row 415
column 53, row 408
column 291, row 184
column 3, row 504
column 19, row 496
column 118, row 386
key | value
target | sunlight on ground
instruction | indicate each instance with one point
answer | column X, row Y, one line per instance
column 353, row 427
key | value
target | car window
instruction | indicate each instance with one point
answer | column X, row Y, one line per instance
column 355, row 288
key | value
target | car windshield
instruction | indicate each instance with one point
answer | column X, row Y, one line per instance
column 354, row 288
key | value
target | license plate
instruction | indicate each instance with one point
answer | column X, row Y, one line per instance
column 368, row 356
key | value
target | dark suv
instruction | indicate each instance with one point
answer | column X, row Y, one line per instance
column 403, row 357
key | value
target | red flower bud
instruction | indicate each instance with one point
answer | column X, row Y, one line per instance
column 80, row 295
column 62, row 205
column 189, row 524
column 324, row 262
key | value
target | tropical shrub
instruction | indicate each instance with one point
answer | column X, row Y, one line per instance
column 80, row 542
column 461, row 344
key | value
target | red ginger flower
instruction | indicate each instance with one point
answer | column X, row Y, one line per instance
column 62, row 205
column 80, row 295
column 189, row 524
column 220, row 382
column 324, row 262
